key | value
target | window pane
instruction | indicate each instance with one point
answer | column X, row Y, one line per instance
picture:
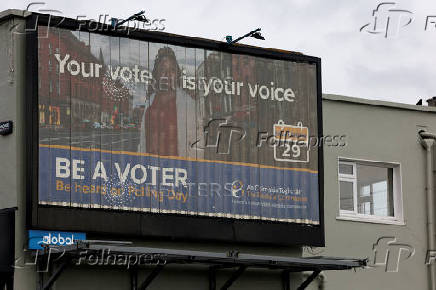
column 374, row 190
column 345, row 168
column 346, row 191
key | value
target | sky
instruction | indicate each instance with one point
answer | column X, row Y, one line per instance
column 394, row 62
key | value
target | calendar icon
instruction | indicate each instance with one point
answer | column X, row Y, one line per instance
column 291, row 142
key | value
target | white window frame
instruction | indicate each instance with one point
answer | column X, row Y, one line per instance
column 348, row 178
column 397, row 196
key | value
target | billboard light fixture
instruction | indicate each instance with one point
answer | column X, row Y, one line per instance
column 255, row 34
column 115, row 22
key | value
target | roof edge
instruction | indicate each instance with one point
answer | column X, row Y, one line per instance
column 5, row 14
column 378, row 103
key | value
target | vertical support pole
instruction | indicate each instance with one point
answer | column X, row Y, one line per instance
column 134, row 279
column 40, row 273
column 286, row 280
column 40, row 281
column 212, row 278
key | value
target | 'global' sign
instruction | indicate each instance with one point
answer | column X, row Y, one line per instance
column 38, row 239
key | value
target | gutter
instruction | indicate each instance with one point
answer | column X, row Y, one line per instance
column 428, row 141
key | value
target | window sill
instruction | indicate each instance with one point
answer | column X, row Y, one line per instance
column 373, row 220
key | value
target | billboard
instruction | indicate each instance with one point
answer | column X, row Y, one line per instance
column 139, row 126
column 149, row 134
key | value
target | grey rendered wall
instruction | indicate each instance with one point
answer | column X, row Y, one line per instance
column 380, row 134
column 12, row 147
column 8, row 111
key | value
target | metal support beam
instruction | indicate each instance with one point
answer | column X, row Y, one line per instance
column 212, row 258
column 55, row 275
column 134, row 279
column 309, row 280
column 216, row 261
column 286, row 283
column 212, row 278
column 151, row 277
column 234, row 277
column 40, row 280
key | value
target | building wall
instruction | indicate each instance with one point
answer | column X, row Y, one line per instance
column 8, row 111
column 377, row 131
column 13, row 155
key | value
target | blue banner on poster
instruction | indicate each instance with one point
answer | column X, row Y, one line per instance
column 39, row 238
column 91, row 178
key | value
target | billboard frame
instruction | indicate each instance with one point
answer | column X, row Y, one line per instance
column 109, row 222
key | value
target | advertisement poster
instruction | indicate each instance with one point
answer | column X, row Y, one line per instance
column 132, row 125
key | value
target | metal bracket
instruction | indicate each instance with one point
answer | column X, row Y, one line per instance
column 229, row 282
column 55, row 275
column 212, row 277
column 151, row 277
column 309, row 280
